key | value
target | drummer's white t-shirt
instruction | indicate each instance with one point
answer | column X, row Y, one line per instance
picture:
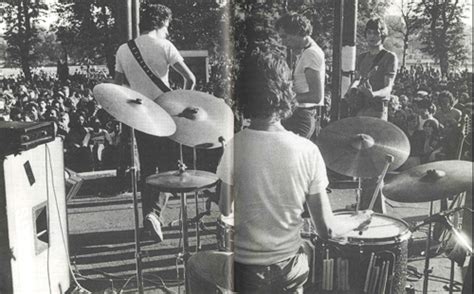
column 157, row 53
column 271, row 173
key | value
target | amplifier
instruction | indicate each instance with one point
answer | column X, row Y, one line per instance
column 21, row 136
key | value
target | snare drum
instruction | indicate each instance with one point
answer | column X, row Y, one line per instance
column 225, row 233
column 371, row 261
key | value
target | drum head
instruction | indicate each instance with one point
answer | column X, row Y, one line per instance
column 381, row 228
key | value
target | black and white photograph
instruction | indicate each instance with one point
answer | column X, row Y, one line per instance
column 236, row 146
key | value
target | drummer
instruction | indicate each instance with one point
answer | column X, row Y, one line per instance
column 268, row 173
column 159, row 54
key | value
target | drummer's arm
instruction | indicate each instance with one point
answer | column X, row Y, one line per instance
column 225, row 199
column 316, row 87
column 321, row 213
column 186, row 73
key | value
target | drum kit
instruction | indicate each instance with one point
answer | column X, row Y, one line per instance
column 190, row 118
column 362, row 147
column 359, row 147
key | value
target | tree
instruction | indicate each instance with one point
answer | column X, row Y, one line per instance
column 22, row 32
column 444, row 37
column 87, row 31
column 409, row 25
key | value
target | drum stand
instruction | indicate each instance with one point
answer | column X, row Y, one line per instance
column 427, row 271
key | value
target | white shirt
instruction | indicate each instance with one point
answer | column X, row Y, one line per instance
column 157, row 53
column 313, row 58
column 271, row 174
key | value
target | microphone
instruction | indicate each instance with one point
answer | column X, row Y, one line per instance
column 438, row 217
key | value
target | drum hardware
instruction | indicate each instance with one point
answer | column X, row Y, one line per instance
column 389, row 159
column 140, row 113
column 431, row 181
column 376, row 260
column 357, row 146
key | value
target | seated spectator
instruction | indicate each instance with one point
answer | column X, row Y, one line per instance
column 432, row 144
column 78, row 156
column 446, row 111
column 425, row 111
column 97, row 139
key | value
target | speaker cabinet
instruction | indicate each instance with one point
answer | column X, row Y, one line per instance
column 33, row 221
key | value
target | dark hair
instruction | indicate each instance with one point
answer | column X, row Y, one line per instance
column 378, row 25
column 294, row 24
column 263, row 86
column 153, row 16
column 427, row 104
column 448, row 95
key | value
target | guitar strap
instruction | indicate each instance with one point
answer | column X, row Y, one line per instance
column 376, row 60
column 138, row 56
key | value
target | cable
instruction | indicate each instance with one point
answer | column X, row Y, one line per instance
column 48, row 157
column 48, row 273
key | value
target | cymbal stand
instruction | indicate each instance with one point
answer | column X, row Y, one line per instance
column 196, row 199
column 133, row 174
column 389, row 159
column 427, row 271
column 184, row 224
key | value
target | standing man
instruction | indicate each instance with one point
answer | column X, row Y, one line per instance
column 308, row 72
column 159, row 54
column 375, row 76
column 268, row 190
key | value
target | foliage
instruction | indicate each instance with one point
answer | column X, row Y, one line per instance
column 444, row 36
column 22, row 33
column 408, row 26
column 88, row 32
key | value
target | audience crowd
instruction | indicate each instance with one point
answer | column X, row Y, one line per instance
column 434, row 112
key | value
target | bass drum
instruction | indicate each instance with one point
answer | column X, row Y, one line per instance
column 369, row 261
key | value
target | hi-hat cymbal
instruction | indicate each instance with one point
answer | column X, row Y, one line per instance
column 187, row 181
column 201, row 119
column 134, row 109
column 359, row 146
column 430, row 181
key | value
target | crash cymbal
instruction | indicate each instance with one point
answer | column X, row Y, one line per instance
column 201, row 118
column 430, row 181
column 180, row 182
column 134, row 109
column 359, row 146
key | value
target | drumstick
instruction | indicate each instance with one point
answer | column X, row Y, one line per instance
column 369, row 270
column 339, row 277
column 325, row 273
column 346, row 275
column 331, row 274
column 382, row 275
column 385, row 278
column 376, row 277
column 389, row 159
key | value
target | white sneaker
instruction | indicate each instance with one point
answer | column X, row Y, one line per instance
column 153, row 224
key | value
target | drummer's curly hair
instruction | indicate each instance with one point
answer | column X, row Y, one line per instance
column 153, row 16
column 263, row 87
column 295, row 24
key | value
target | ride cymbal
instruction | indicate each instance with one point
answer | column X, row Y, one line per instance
column 359, row 146
column 202, row 120
column 134, row 109
column 431, row 181
column 186, row 181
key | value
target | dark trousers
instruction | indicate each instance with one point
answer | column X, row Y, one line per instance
column 302, row 122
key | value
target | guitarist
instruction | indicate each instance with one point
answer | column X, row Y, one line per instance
column 375, row 75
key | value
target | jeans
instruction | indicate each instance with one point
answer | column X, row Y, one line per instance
column 287, row 276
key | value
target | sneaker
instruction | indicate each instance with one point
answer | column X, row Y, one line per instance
column 153, row 225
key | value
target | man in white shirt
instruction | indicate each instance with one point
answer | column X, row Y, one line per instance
column 268, row 174
column 308, row 73
column 159, row 54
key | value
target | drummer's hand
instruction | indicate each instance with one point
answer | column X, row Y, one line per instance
column 363, row 219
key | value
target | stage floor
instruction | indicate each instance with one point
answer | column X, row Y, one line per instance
column 102, row 247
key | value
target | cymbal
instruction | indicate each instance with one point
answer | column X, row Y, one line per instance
column 187, row 181
column 201, row 118
column 134, row 109
column 430, row 181
column 359, row 146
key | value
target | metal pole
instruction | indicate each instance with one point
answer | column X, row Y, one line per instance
column 135, row 13
column 426, row 271
column 336, row 59
column 348, row 54
column 135, row 211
